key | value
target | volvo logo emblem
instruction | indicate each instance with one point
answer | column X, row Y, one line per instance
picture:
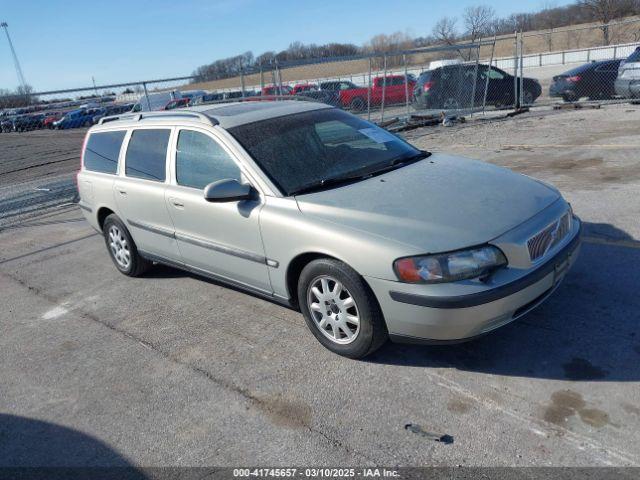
column 553, row 236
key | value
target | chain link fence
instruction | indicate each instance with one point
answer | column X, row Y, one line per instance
column 592, row 62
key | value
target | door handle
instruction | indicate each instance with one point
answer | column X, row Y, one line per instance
column 176, row 203
column 122, row 192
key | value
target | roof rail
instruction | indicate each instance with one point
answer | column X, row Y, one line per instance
column 136, row 117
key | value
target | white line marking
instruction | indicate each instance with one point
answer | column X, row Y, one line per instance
column 55, row 312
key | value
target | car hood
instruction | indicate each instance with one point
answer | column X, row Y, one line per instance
column 438, row 204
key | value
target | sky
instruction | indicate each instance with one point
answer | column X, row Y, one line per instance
column 62, row 44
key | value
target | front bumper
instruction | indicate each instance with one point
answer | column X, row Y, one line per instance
column 415, row 318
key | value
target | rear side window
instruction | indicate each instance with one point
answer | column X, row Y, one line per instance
column 200, row 160
column 146, row 154
column 102, row 151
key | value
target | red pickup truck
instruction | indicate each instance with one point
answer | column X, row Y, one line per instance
column 276, row 90
column 395, row 91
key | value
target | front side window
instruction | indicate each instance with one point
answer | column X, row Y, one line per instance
column 309, row 148
column 147, row 153
column 102, row 151
column 493, row 74
column 200, row 160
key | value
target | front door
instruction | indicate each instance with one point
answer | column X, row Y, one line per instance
column 222, row 239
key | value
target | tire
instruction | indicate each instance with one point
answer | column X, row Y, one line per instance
column 118, row 239
column 323, row 276
column 527, row 98
column 450, row 103
column 358, row 104
column 569, row 97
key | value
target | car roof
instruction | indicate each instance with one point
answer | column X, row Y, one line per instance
column 589, row 66
column 226, row 114
column 233, row 114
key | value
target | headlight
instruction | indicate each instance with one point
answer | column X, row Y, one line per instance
column 449, row 267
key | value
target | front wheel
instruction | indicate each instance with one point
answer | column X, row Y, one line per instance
column 122, row 249
column 340, row 309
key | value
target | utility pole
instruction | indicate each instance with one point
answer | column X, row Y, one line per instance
column 94, row 85
column 21, row 79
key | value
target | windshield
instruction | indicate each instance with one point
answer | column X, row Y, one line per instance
column 307, row 148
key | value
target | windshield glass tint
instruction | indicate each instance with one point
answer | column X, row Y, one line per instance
column 306, row 148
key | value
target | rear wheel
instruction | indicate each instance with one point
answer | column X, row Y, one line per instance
column 527, row 98
column 340, row 309
column 358, row 104
column 450, row 103
column 122, row 249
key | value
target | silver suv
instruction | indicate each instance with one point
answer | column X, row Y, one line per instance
column 313, row 207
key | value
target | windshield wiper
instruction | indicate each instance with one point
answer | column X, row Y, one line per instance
column 341, row 180
column 330, row 182
column 422, row 154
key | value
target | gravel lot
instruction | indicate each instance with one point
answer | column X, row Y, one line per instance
column 100, row 369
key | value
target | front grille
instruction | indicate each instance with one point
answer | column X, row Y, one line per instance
column 545, row 240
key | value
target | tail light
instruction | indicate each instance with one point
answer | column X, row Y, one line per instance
column 575, row 78
column 84, row 147
column 427, row 86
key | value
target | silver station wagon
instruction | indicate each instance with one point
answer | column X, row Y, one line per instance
column 310, row 206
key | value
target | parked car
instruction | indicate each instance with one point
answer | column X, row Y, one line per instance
column 156, row 101
column 627, row 84
column 177, row 103
column 207, row 97
column 76, row 118
column 329, row 92
column 192, row 94
column 304, row 88
column 451, row 87
column 594, row 80
column 368, row 236
column 111, row 110
column 392, row 87
column 6, row 124
column 51, row 117
column 277, row 90
column 25, row 123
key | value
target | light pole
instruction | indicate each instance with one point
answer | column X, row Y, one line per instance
column 21, row 79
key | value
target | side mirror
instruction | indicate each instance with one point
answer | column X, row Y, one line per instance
column 227, row 190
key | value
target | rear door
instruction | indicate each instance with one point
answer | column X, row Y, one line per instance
column 605, row 76
column 222, row 239
column 139, row 191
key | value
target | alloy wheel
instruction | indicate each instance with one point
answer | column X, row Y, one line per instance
column 119, row 247
column 333, row 310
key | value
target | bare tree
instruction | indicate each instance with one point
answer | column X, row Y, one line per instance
column 604, row 11
column 385, row 44
column 445, row 30
column 479, row 21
